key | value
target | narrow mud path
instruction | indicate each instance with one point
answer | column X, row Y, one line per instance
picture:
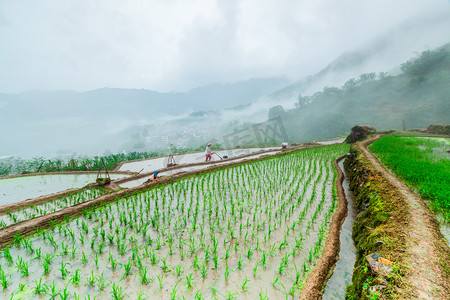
column 426, row 248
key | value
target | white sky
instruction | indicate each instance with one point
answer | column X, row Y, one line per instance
column 173, row 45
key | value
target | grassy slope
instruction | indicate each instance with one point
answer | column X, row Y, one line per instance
column 410, row 158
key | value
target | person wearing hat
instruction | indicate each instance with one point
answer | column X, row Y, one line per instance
column 155, row 175
column 208, row 152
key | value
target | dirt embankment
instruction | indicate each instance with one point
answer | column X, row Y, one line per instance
column 359, row 133
column 439, row 129
column 313, row 288
column 395, row 223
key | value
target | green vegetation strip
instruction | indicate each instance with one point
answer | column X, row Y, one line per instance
column 378, row 228
column 423, row 163
column 16, row 165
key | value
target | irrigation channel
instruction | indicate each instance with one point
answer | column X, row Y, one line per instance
column 249, row 230
column 342, row 274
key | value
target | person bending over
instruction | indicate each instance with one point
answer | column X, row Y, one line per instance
column 208, row 152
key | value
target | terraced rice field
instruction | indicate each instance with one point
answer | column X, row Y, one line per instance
column 250, row 231
column 13, row 190
column 42, row 209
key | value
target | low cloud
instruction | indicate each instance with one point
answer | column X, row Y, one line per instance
column 178, row 45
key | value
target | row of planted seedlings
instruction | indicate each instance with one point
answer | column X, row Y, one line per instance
column 249, row 231
column 40, row 209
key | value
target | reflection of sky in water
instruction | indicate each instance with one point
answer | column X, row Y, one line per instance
column 445, row 229
column 140, row 181
column 332, row 142
column 437, row 149
column 161, row 162
column 342, row 274
column 17, row 189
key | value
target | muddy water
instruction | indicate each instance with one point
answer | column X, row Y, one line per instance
column 13, row 190
column 161, row 162
column 134, row 183
column 342, row 275
column 443, row 225
column 29, row 212
column 332, row 141
column 445, row 229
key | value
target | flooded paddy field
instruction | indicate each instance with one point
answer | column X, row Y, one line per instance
column 248, row 231
column 19, row 214
column 16, row 189
column 152, row 164
column 134, row 183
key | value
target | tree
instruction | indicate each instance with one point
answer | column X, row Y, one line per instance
column 350, row 84
column 302, row 101
column 366, row 77
column 276, row 111
column 427, row 62
column 382, row 75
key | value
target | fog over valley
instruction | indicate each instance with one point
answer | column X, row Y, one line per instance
column 90, row 79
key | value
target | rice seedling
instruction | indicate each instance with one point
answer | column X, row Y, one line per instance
column 141, row 295
column 64, row 270
column 160, row 278
column 4, row 279
column 64, row 294
column 117, row 292
column 178, row 270
column 90, row 280
column 245, row 281
column 53, row 290
column 173, row 293
column 39, row 288
column 7, row 255
column 143, row 273
column 101, row 282
column 76, row 278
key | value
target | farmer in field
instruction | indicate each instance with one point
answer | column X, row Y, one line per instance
column 208, row 152
column 155, row 175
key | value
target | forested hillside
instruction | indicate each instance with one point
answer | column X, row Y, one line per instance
column 420, row 95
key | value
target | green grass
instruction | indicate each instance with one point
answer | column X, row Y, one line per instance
column 422, row 163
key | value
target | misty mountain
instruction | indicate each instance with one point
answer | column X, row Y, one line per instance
column 418, row 95
column 48, row 123
column 383, row 53
column 41, row 122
